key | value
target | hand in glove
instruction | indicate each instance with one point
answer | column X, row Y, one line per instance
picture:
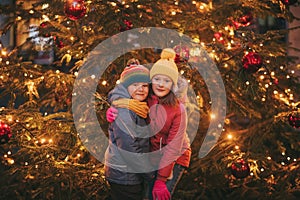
column 160, row 191
column 111, row 114
column 140, row 108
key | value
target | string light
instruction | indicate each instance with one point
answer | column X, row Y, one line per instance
column 43, row 140
column 3, row 52
column 266, row 85
column 10, row 161
column 272, row 73
column 212, row 116
column 45, row 6
column 45, row 18
column 229, row 136
column 113, row 3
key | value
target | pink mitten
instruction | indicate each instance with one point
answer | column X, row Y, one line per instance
column 111, row 114
column 160, row 191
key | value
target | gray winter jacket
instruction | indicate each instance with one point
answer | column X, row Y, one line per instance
column 126, row 158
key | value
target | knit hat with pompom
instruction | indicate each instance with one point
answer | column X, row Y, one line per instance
column 166, row 65
column 134, row 74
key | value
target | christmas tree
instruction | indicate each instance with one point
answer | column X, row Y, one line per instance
column 244, row 104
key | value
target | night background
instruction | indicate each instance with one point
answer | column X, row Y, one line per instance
column 254, row 44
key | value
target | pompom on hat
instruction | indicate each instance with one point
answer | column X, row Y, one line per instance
column 166, row 65
column 134, row 74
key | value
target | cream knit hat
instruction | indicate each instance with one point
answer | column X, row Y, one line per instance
column 166, row 65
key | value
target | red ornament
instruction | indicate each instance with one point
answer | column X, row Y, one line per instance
column 182, row 53
column 252, row 62
column 275, row 81
column 127, row 25
column 294, row 120
column 243, row 21
column 289, row 2
column 5, row 133
column 240, row 169
column 219, row 37
column 75, row 9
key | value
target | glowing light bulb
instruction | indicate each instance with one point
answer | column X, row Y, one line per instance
column 229, row 136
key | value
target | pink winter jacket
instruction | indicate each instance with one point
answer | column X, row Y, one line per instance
column 169, row 140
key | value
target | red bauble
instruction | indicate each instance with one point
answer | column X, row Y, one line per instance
column 75, row 9
column 243, row 21
column 5, row 133
column 294, row 120
column 182, row 53
column 289, row 2
column 252, row 62
column 240, row 169
column 127, row 25
column 219, row 37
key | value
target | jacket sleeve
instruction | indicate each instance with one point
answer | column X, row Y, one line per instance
column 173, row 149
column 131, row 148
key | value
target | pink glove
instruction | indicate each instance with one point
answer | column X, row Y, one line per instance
column 111, row 114
column 160, row 191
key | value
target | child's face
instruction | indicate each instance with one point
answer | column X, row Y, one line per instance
column 138, row 91
column 161, row 85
